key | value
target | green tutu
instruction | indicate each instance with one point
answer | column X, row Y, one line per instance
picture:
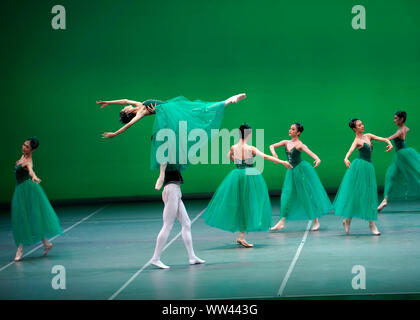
column 196, row 115
column 357, row 196
column 240, row 203
column 303, row 195
column 402, row 179
column 33, row 218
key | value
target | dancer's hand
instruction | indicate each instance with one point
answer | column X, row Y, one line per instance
column 159, row 183
column 36, row 179
column 102, row 103
column 389, row 147
column 107, row 135
column 347, row 162
column 317, row 162
column 287, row 164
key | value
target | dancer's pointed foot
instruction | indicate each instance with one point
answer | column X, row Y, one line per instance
column 315, row 226
column 19, row 254
column 47, row 247
column 236, row 98
column 346, row 225
column 277, row 227
column 374, row 229
column 383, row 204
column 243, row 243
column 196, row 260
column 159, row 264
column 159, row 183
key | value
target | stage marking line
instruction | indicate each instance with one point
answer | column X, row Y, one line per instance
column 148, row 263
column 68, row 229
column 292, row 265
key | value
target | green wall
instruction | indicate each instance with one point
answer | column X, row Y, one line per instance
column 296, row 60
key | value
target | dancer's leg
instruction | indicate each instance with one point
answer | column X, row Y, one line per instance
column 170, row 197
column 19, row 253
column 185, row 221
column 279, row 225
column 235, row 99
column 373, row 228
column 315, row 225
column 241, row 240
column 47, row 246
column 346, row 224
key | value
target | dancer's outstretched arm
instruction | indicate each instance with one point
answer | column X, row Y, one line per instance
column 120, row 101
column 138, row 116
column 373, row 137
column 276, row 145
column 270, row 158
column 29, row 166
column 346, row 158
column 313, row 155
column 395, row 135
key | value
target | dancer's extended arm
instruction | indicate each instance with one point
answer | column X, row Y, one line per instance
column 313, row 155
column 138, row 116
column 373, row 137
column 276, row 145
column 270, row 158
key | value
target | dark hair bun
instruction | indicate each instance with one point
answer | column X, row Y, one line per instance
column 352, row 123
column 126, row 117
column 34, row 142
column 402, row 115
column 245, row 130
column 299, row 126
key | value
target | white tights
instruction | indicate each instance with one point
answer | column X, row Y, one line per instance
column 174, row 208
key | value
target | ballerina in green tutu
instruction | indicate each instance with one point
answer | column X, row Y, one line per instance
column 357, row 195
column 33, row 218
column 241, row 202
column 402, row 179
column 302, row 195
column 180, row 116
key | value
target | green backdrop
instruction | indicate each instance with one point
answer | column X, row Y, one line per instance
column 296, row 60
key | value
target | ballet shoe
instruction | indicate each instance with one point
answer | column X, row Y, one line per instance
column 316, row 227
column 383, row 204
column 196, row 260
column 275, row 228
column 374, row 230
column 243, row 243
column 346, row 226
column 47, row 248
column 19, row 254
column 159, row 264
column 236, row 98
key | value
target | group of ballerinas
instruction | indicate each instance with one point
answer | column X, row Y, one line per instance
column 241, row 202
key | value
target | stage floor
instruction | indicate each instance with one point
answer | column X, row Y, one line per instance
column 105, row 251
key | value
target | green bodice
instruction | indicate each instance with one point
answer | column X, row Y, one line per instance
column 365, row 152
column 21, row 174
column 399, row 144
column 293, row 156
column 246, row 163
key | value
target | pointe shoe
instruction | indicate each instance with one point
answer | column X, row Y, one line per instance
column 346, row 226
column 315, row 227
column 196, row 260
column 236, row 98
column 47, row 248
column 374, row 230
column 277, row 228
column 159, row 264
column 383, row 204
column 243, row 243
column 19, row 254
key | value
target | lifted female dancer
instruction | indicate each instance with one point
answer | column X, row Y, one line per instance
column 197, row 115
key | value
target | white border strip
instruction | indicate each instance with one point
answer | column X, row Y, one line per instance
column 292, row 265
column 68, row 229
column 148, row 263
